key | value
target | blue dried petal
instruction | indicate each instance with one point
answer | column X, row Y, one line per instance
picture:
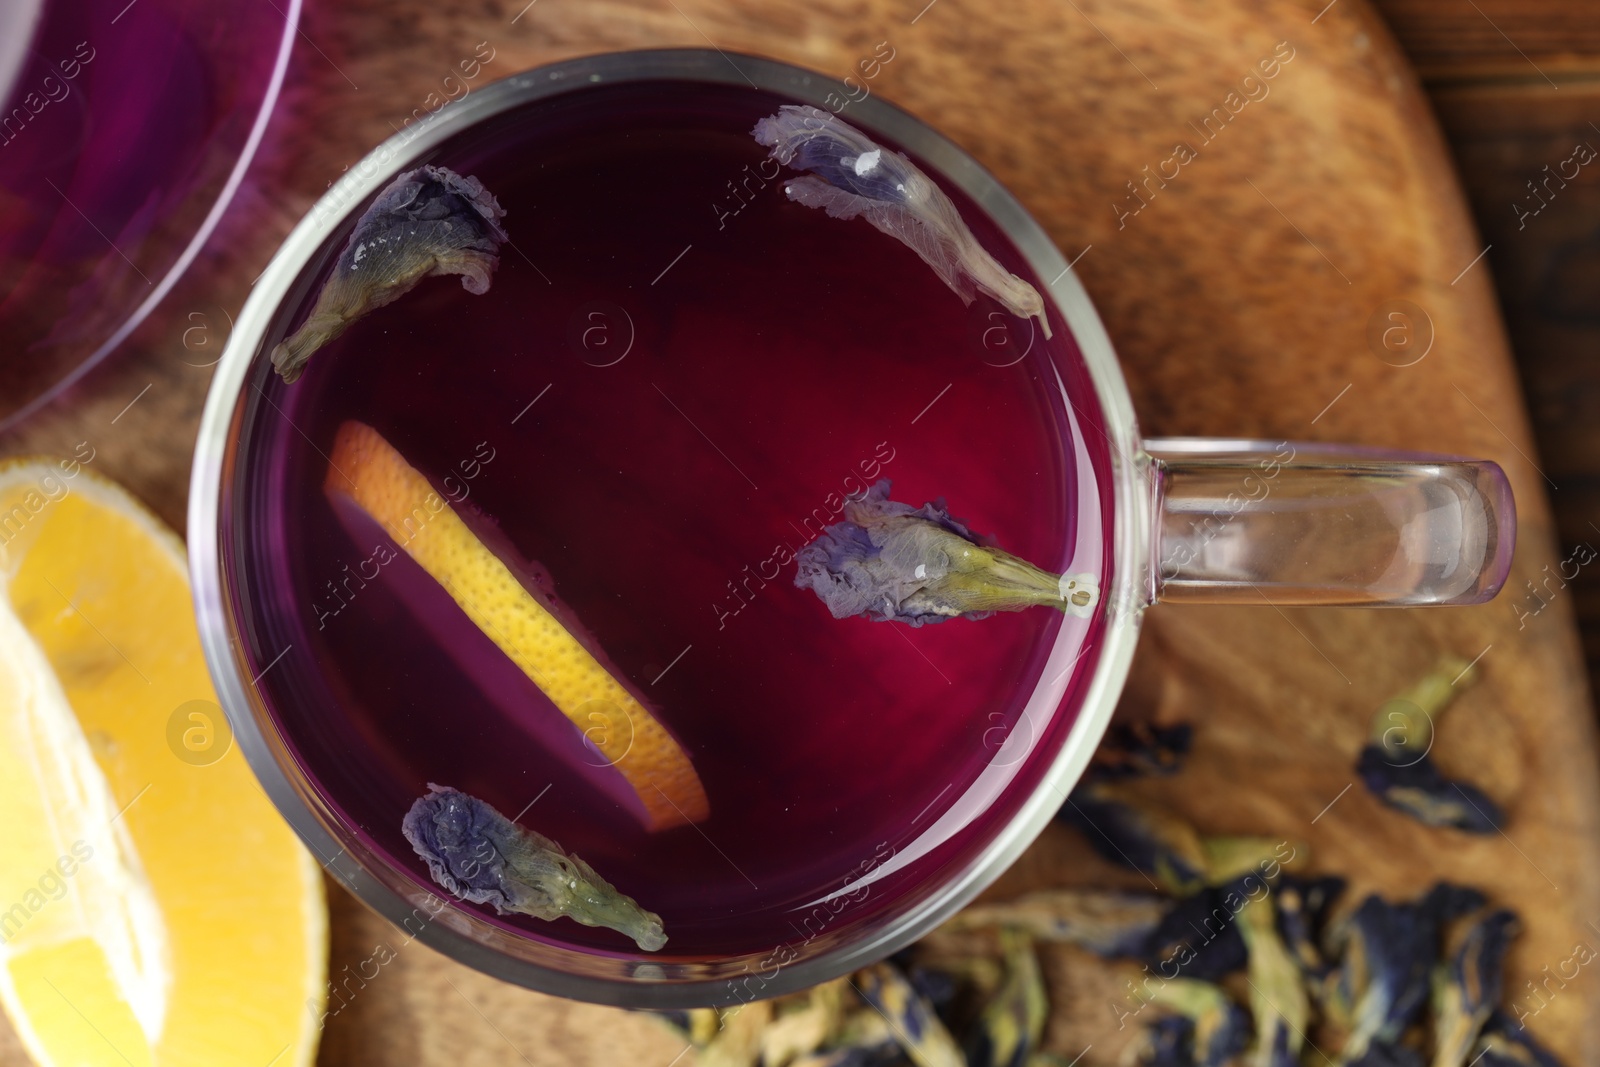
column 894, row 563
column 1199, row 938
column 1221, row 1028
column 478, row 855
column 1011, row 1024
column 1467, row 987
column 429, row 221
column 1387, row 952
column 852, row 177
column 1133, row 750
column 1415, row 786
column 1396, row 765
column 1167, row 1042
column 1108, row 922
column 1303, row 906
column 1505, row 1042
column 920, row 1031
column 1278, row 998
column 1135, row 832
column 1388, row 1054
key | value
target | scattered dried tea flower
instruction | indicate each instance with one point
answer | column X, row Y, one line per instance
column 1107, row 922
column 1229, row 858
column 1219, row 1030
column 1133, row 750
column 805, row 1024
column 1199, row 938
column 851, row 176
column 919, row 1030
column 895, row 563
column 1165, row 1042
column 1466, row 987
column 1388, row 1054
column 1397, row 763
column 1011, row 1024
column 1278, row 998
column 1387, row 952
column 1506, row 1042
column 428, row 221
column 1303, row 906
column 694, row 1025
column 479, row 855
column 1129, row 829
column 738, row 1042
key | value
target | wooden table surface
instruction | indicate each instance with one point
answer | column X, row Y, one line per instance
column 1239, row 300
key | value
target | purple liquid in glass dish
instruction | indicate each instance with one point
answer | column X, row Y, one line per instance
column 125, row 132
column 675, row 374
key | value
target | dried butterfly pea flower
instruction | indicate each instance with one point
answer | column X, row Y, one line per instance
column 1166, row 1042
column 1397, row 766
column 1505, row 1042
column 1009, row 1027
column 1419, row 790
column 1219, row 1028
column 428, row 221
column 1386, row 954
column 1128, row 829
column 1278, row 999
column 1466, row 987
column 891, row 562
column 1133, row 750
column 479, row 855
column 912, row 1020
column 1388, row 1054
column 1199, row 938
column 1228, row 858
column 851, row 176
column 1303, row 906
column 1107, row 922
column 738, row 1042
column 694, row 1025
column 805, row 1023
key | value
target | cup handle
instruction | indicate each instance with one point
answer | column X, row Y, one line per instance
column 1243, row 522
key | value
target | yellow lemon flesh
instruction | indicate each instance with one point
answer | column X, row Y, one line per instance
column 154, row 908
column 368, row 470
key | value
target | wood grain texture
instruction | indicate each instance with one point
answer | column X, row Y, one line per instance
column 1239, row 300
column 1452, row 40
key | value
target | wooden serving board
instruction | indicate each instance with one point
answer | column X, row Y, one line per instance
column 1239, row 296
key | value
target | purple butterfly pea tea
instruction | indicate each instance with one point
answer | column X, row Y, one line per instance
column 678, row 379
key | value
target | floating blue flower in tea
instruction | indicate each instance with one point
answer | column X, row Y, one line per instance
column 1107, row 922
column 1397, row 762
column 479, row 855
column 428, row 221
column 1009, row 1027
column 1466, row 987
column 894, row 563
column 851, row 176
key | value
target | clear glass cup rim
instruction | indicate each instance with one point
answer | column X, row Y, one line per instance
column 1132, row 510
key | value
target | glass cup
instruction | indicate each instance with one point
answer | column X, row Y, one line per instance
column 125, row 130
column 1191, row 520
